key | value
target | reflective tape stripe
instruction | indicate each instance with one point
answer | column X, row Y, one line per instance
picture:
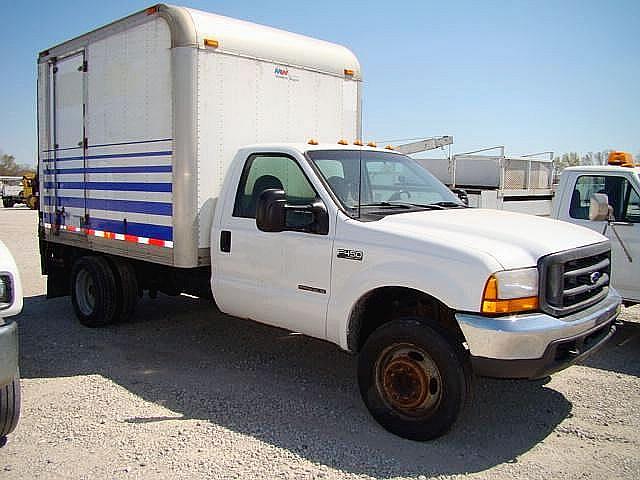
column 113, row 236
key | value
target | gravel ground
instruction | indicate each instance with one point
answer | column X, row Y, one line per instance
column 187, row 392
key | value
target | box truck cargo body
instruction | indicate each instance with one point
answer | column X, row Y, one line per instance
column 138, row 121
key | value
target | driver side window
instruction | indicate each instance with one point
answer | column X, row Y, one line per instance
column 265, row 171
column 622, row 197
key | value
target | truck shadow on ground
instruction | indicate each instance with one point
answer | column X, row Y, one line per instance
column 618, row 355
column 281, row 388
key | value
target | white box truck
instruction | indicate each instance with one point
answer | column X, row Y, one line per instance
column 166, row 165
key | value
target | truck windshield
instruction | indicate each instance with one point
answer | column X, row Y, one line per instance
column 387, row 182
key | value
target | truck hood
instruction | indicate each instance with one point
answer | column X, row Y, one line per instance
column 515, row 240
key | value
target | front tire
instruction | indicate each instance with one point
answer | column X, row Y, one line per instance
column 414, row 380
column 9, row 406
column 93, row 291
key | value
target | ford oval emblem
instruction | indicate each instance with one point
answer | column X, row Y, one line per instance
column 594, row 277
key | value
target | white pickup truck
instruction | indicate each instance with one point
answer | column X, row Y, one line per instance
column 10, row 305
column 147, row 185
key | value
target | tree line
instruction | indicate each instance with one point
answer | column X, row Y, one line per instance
column 9, row 167
column 573, row 159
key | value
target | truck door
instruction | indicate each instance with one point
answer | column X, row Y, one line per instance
column 282, row 278
column 67, row 189
column 625, row 200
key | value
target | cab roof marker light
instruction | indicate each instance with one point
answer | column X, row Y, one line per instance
column 211, row 42
column 152, row 10
column 358, row 142
column 389, row 147
column 372, row 144
column 312, row 141
column 621, row 159
column 342, row 141
column 349, row 72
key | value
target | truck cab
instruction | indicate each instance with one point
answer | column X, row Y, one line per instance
column 621, row 184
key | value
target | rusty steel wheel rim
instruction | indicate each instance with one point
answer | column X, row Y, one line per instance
column 408, row 380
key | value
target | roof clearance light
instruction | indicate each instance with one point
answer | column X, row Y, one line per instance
column 389, row 147
column 343, row 142
column 211, row 42
column 349, row 72
column 312, row 141
column 372, row 144
column 152, row 10
column 358, row 142
column 623, row 159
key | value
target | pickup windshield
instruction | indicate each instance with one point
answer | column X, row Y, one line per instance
column 387, row 183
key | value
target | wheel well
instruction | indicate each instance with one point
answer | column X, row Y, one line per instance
column 385, row 304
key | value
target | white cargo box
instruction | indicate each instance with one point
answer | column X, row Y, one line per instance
column 138, row 121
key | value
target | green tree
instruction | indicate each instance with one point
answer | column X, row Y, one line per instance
column 9, row 167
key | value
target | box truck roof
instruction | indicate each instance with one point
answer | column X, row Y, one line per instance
column 200, row 29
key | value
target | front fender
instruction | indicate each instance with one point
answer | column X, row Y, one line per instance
column 456, row 283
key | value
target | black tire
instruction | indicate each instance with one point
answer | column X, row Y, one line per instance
column 414, row 379
column 93, row 291
column 6, row 203
column 127, row 288
column 9, row 406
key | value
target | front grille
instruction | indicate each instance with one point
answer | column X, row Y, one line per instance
column 574, row 279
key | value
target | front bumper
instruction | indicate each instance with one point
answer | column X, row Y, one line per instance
column 8, row 352
column 535, row 345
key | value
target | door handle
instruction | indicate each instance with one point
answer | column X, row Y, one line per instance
column 225, row 241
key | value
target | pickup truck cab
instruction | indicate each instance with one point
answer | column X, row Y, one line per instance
column 10, row 305
column 622, row 187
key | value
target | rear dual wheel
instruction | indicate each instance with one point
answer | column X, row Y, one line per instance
column 103, row 292
column 414, row 379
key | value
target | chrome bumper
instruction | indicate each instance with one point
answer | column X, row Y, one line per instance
column 528, row 336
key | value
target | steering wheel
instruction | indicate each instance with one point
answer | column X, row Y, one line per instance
column 398, row 195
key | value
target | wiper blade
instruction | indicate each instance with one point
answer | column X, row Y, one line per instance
column 399, row 204
column 386, row 204
column 449, row 204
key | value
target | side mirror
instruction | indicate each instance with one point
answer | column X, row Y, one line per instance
column 320, row 218
column 271, row 210
column 599, row 207
column 273, row 214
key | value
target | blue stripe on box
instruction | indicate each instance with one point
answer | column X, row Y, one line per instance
column 112, row 186
column 131, row 206
column 137, row 169
column 115, row 155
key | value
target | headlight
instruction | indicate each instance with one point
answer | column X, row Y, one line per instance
column 511, row 291
column 6, row 291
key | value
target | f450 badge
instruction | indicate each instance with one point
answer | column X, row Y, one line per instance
column 349, row 254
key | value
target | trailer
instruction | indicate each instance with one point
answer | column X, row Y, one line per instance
column 516, row 183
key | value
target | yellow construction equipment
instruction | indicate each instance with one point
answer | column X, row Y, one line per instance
column 29, row 192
